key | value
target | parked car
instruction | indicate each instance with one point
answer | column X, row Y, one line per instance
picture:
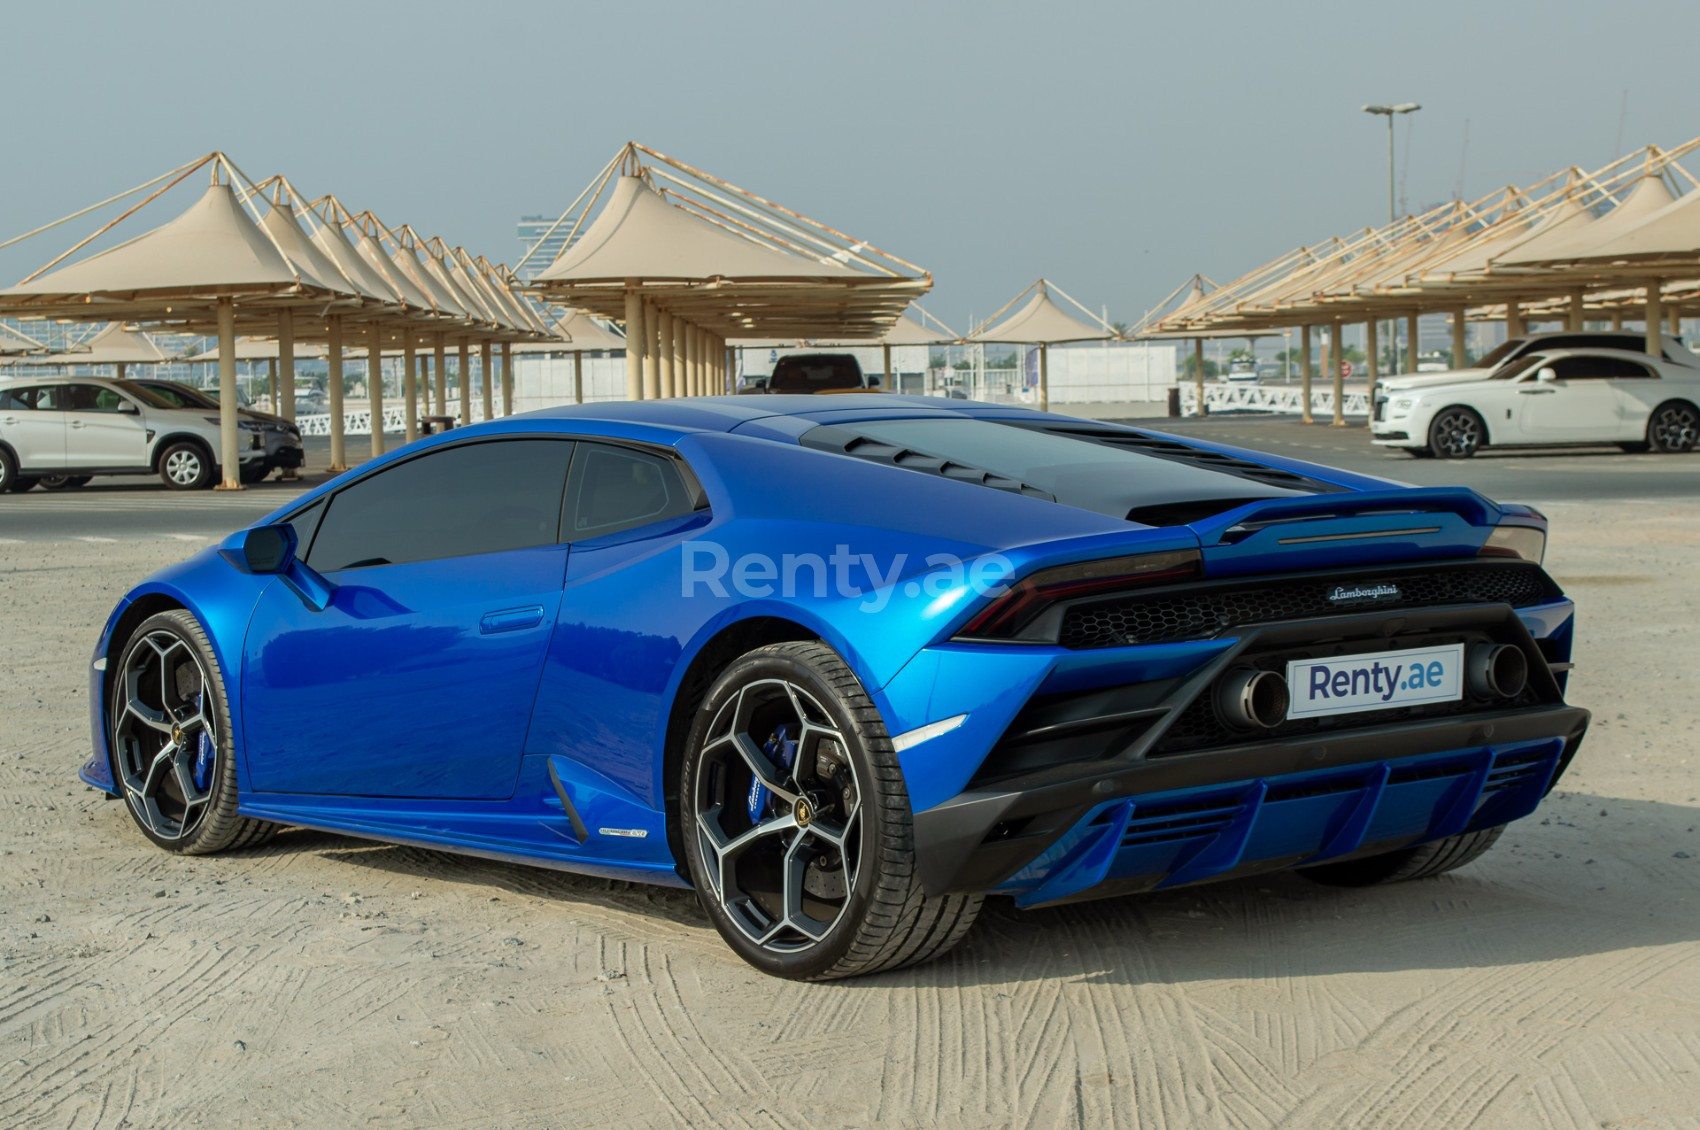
column 848, row 668
column 78, row 427
column 1515, row 348
column 282, row 438
column 810, row 373
column 1555, row 396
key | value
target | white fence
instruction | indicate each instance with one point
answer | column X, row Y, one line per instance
column 358, row 422
column 1247, row 396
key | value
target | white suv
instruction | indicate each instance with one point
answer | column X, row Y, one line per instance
column 71, row 428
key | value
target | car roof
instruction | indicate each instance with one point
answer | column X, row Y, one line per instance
column 728, row 413
column 32, row 381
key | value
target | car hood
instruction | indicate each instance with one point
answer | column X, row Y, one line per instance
column 1404, row 382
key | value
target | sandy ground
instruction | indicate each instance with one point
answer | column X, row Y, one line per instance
column 326, row 981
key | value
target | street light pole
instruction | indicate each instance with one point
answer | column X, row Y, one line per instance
column 1388, row 112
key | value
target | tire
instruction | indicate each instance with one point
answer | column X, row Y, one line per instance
column 1636, row 448
column 20, row 483
column 1421, row 862
column 60, row 482
column 1456, row 433
column 855, row 906
column 186, row 466
column 1419, row 453
column 182, row 796
column 8, row 470
column 1674, row 426
column 255, row 473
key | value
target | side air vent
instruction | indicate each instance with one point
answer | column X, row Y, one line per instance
column 841, row 441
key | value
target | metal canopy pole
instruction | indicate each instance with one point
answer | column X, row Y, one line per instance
column 1371, row 348
column 1460, row 351
column 1513, row 318
column 634, row 343
column 463, row 381
column 890, row 381
column 664, row 330
column 486, row 379
column 578, row 376
column 1198, row 374
column 1655, row 346
column 1576, row 311
column 229, row 458
column 1411, row 342
column 1338, row 365
column 333, row 357
column 409, row 387
column 440, row 373
column 507, row 378
column 651, row 372
column 375, row 384
column 1305, row 374
column 286, row 374
column 271, row 380
column 1045, row 378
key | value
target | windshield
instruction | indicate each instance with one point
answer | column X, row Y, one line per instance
column 180, row 396
column 1510, row 346
column 1518, row 367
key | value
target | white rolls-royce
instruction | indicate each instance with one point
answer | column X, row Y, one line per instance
column 1554, row 396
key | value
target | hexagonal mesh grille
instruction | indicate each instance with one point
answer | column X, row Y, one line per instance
column 1166, row 617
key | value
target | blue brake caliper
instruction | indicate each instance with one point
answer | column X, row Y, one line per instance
column 781, row 749
column 204, row 749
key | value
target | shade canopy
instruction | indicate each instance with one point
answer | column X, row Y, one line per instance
column 1042, row 321
column 259, row 349
column 576, row 332
column 12, row 342
column 719, row 257
column 114, row 345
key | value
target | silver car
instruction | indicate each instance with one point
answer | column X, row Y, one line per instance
column 73, row 428
column 282, row 438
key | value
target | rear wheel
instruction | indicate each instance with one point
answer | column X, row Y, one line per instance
column 1419, row 453
column 253, row 473
column 1456, row 433
column 796, row 824
column 185, row 466
column 8, row 470
column 60, row 482
column 1418, row 862
column 169, row 730
column 1674, row 426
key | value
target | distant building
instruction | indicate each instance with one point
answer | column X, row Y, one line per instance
column 532, row 231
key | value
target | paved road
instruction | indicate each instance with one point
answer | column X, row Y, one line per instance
column 1533, row 476
column 132, row 509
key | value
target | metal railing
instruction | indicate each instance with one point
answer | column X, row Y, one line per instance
column 1245, row 396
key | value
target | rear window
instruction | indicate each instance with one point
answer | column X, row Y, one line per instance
column 815, row 374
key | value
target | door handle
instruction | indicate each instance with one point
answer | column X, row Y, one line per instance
column 78, row 424
column 9, row 420
column 1536, row 391
column 511, row 620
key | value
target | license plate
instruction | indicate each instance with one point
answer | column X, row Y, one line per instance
column 1379, row 681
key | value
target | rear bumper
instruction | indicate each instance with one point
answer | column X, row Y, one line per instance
column 1257, row 807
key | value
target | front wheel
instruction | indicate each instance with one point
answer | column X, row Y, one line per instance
column 60, row 482
column 251, row 473
column 1456, row 433
column 170, row 735
column 185, row 466
column 796, row 824
column 1673, row 427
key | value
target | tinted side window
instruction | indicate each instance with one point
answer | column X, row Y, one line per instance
column 20, row 399
column 475, row 498
column 618, row 488
column 91, row 398
column 1577, row 368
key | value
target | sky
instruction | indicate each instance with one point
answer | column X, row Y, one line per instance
column 1115, row 148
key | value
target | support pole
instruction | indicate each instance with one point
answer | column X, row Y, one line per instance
column 1460, row 345
column 890, row 379
column 118, row 370
column 229, row 457
column 664, row 330
column 463, row 381
column 486, row 379
column 1305, row 374
column 1675, row 320
column 507, row 378
column 440, row 372
column 1655, row 346
column 333, row 359
column 1617, row 319
column 1513, row 318
column 578, row 376
column 1575, row 320
column 1198, row 374
column 1371, row 347
column 1338, row 368
column 271, row 380
column 634, row 344
column 375, row 384
column 1045, row 378
column 651, row 363
column 286, row 369
column 1411, row 342
column 409, row 387
column 687, row 335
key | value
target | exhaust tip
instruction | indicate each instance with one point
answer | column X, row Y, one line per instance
column 1497, row 670
column 1252, row 699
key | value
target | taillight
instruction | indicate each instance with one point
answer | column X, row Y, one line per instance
column 1015, row 609
column 1528, row 543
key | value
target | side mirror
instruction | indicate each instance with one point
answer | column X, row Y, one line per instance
column 270, row 551
column 874, row 380
column 1546, row 376
column 128, row 408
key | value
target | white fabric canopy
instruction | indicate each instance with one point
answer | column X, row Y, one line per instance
column 1041, row 322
